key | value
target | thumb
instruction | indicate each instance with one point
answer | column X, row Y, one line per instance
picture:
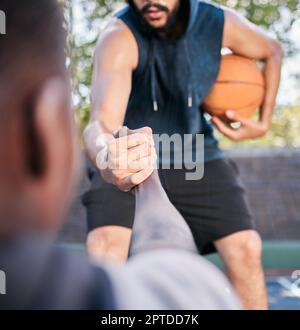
column 147, row 130
column 122, row 131
column 233, row 116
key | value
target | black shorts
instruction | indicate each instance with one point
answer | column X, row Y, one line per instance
column 214, row 207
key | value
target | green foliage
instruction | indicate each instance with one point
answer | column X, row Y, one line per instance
column 275, row 15
column 81, row 47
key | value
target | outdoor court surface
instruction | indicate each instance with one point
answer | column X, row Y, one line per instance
column 280, row 294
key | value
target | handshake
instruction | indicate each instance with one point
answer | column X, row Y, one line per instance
column 127, row 157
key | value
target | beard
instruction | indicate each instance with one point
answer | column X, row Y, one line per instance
column 172, row 16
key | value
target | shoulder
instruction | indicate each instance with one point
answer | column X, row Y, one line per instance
column 210, row 6
column 208, row 13
column 44, row 276
column 177, row 276
column 116, row 40
column 232, row 16
column 116, row 33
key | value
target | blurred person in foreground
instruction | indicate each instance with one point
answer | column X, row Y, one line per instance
column 38, row 165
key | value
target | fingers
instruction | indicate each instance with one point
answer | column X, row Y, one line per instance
column 141, row 176
column 145, row 130
column 136, row 174
column 120, row 132
column 135, row 179
column 135, row 159
column 131, row 157
column 127, row 139
column 140, row 164
column 123, row 131
column 139, row 152
column 232, row 116
column 130, row 148
column 234, row 133
column 224, row 129
column 120, row 145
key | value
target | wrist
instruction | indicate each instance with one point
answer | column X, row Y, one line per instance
column 265, row 124
column 102, row 140
column 101, row 151
column 266, row 114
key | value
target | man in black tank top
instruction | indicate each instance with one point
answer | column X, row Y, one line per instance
column 154, row 64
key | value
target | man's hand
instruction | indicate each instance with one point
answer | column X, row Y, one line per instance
column 246, row 39
column 129, row 158
column 248, row 129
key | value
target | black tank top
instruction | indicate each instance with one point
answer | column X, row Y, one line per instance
column 173, row 77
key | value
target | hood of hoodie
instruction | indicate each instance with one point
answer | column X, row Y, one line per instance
column 193, row 6
column 192, row 18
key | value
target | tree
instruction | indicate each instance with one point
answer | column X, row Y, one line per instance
column 275, row 15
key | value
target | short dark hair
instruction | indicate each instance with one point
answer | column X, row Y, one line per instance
column 34, row 36
column 31, row 52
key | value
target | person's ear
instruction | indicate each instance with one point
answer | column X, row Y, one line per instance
column 51, row 124
column 54, row 134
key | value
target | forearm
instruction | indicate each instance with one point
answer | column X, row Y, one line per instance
column 91, row 136
column 157, row 224
column 107, row 116
column 272, row 70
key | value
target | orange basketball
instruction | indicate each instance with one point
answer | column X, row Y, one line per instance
column 239, row 87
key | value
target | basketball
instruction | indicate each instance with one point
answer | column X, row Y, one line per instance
column 239, row 87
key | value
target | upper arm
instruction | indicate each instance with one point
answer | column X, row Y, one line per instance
column 246, row 39
column 115, row 59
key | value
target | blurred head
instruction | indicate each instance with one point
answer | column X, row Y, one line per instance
column 37, row 149
column 159, row 14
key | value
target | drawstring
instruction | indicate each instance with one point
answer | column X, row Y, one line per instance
column 152, row 76
column 190, row 90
